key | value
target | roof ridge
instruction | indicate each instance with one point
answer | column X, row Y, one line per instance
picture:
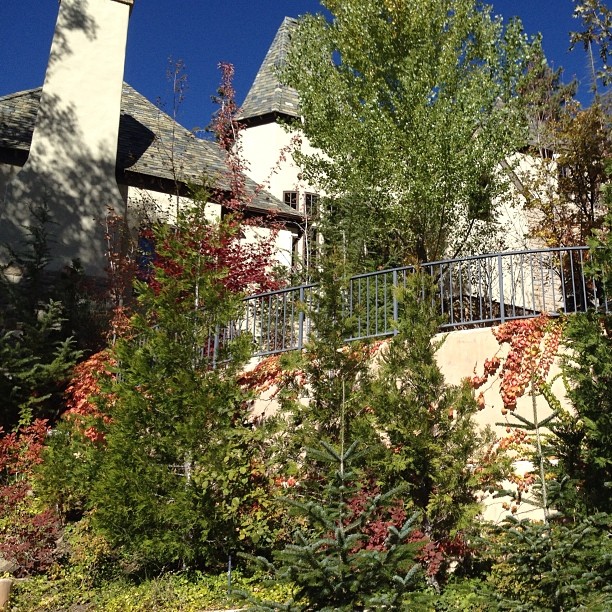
column 17, row 94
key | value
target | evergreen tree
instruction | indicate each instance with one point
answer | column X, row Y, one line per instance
column 394, row 401
column 181, row 478
column 430, row 439
column 38, row 348
column 330, row 564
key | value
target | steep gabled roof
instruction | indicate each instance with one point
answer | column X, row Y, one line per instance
column 267, row 96
column 151, row 144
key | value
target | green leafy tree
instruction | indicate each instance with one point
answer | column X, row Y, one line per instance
column 570, row 149
column 412, row 105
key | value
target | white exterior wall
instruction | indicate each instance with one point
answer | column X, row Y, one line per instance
column 283, row 242
column 7, row 174
column 148, row 206
column 71, row 165
column 267, row 149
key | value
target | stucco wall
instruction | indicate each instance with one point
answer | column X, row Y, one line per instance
column 7, row 173
column 268, row 149
column 71, row 165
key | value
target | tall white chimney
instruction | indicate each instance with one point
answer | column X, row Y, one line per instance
column 71, row 165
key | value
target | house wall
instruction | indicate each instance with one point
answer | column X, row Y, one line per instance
column 283, row 242
column 267, row 148
column 71, row 165
column 7, row 173
column 146, row 206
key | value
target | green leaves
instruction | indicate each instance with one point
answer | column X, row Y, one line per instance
column 411, row 103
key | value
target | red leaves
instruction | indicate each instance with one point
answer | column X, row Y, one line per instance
column 28, row 538
column 435, row 555
column 219, row 253
column 268, row 373
column 85, row 385
column 21, row 451
column 224, row 124
column 533, row 346
column 377, row 528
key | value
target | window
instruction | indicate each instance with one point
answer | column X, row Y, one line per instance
column 145, row 253
column 311, row 203
column 291, row 198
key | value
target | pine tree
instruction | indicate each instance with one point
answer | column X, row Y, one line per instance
column 37, row 345
column 329, row 564
column 182, row 477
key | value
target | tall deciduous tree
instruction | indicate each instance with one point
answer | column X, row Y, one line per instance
column 596, row 34
column 412, row 105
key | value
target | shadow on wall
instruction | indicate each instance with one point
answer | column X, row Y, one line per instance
column 78, row 189
column 70, row 169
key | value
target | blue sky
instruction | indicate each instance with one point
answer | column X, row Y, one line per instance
column 202, row 33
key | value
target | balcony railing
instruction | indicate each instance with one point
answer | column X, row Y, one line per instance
column 470, row 292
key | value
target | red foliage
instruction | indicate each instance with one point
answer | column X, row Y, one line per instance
column 533, row 345
column 269, row 373
column 436, row 555
column 377, row 529
column 85, row 385
column 28, row 538
column 237, row 266
column 225, row 125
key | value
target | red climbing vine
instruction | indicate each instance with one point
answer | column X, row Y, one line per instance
column 533, row 345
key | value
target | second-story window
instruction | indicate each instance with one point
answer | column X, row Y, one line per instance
column 291, row 198
column 311, row 205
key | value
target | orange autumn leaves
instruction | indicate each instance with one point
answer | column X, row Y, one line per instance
column 533, row 345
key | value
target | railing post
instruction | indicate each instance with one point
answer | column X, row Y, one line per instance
column 500, row 272
column 216, row 347
column 301, row 320
column 395, row 303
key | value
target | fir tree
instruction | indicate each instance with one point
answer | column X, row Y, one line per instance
column 329, row 563
column 182, row 478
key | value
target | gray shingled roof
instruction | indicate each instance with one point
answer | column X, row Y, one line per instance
column 146, row 138
column 17, row 116
column 267, row 95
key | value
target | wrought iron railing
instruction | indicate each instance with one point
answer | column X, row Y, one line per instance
column 471, row 292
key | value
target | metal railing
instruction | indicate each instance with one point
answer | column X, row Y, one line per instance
column 470, row 292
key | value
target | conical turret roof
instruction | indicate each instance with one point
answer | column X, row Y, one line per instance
column 268, row 97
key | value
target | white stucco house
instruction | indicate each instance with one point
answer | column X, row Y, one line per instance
column 86, row 143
